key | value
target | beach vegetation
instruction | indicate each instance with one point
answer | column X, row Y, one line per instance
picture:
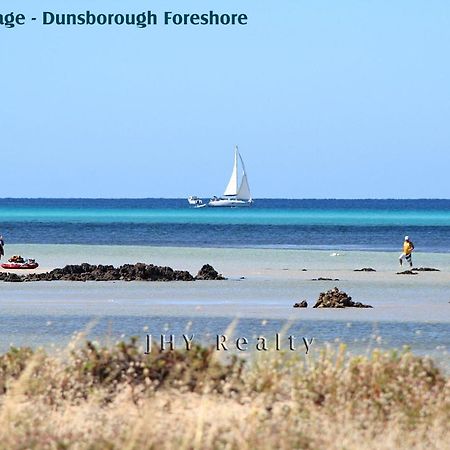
column 94, row 396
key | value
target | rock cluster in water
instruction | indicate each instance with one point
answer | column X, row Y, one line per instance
column 127, row 272
column 425, row 269
column 334, row 298
column 365, row 269
column 207, row 272
column 302, row 304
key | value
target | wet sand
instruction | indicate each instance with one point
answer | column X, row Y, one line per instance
column 235, row 262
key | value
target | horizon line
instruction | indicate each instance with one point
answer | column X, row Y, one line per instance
column 261, row 198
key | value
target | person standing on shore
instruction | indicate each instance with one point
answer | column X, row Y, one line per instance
column 2, row 244
column 408, row 248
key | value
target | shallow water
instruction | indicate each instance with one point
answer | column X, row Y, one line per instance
column 407, row 310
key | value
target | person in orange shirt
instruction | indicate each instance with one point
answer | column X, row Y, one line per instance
column 408, row 248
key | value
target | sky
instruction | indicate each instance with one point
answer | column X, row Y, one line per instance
column 325, row 98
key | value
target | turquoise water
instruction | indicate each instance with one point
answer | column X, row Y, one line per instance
column 281, row 223
column 250, row 216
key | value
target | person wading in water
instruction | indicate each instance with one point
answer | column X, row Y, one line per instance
column 2, row 244
column 408, row 248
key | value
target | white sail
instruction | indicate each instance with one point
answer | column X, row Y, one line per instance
column 244, row 189
column 232, row 187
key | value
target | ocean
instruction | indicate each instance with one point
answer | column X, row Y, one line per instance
column 270, row 253
column 367, row 225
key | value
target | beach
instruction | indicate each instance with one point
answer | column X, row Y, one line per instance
column 261, row 287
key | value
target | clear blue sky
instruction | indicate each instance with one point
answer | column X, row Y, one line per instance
column 344, row 99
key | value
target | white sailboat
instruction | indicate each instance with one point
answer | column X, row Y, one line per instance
column 235, row 194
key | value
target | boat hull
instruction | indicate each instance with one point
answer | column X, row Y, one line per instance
column 20, row 266
column 229, row 203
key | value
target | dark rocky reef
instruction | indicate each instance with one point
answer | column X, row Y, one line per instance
column 365, row 269
column 11, row 277
column 425, row 269
column 127, row 272
column 334, row 298
column 302, row 304
column 407, row 272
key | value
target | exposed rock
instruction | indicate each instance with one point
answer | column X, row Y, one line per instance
column 334, row 298
column 302, row 304
column 11, row 277
column 365, row 269
column 207, row 272
column 425, row 269
column 407, row 272
column 324, row 279
column 127, row 272
column 304, row 270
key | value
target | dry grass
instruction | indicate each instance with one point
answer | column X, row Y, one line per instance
column 119, row 398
